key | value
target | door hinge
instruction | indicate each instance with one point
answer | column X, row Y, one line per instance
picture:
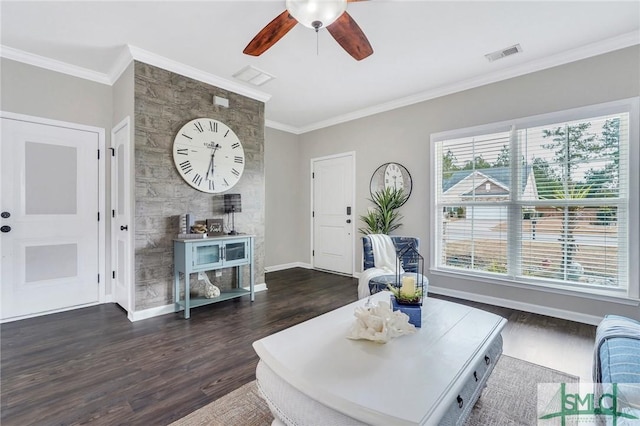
column 313, row 252
column 113, row 274
column 98, row 278
column 113, row 213
column 98, row 216
column 98, row 154
column 313, row 214
column 313, row 175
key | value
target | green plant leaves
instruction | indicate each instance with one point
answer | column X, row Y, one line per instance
column 384, row 218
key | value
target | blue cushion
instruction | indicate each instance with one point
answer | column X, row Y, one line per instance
column 620, row 360
column 380, row 283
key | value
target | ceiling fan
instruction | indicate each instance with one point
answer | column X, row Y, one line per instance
column 316, row 14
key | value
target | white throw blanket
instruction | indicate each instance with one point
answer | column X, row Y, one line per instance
column 384, row 261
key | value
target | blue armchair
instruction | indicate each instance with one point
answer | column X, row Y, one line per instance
column 401, row 243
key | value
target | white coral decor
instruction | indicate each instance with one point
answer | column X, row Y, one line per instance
column 380, row 323
column 211, row 291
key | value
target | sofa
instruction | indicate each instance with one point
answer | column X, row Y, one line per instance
column 617, row 360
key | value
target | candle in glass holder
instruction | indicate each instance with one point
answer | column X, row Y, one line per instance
column 408, row 288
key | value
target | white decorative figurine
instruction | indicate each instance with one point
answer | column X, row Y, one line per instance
column 380, row 323
column 210, row 290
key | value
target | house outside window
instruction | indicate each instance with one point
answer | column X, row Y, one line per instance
column 549, row 201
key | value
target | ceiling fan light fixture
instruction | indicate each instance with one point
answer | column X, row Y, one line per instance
column 316, row 13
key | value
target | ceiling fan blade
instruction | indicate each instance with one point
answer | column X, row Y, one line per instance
column 349, row 35
column 270, row 34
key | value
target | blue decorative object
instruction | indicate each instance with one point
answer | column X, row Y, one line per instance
column 413, row 311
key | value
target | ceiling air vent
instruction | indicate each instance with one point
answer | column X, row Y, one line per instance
column 253, row 75
column 508, row 51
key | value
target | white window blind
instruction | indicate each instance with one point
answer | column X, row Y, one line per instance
column 544, row 202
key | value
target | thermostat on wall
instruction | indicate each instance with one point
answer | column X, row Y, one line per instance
column 218, row 101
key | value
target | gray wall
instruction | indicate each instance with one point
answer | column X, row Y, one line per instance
column 402, row 135
column 123, row 99
column 164, row 102
column 282, row 209
column 42, row 93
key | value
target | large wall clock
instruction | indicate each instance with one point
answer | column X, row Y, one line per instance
column 208, row 155
column 392, row 176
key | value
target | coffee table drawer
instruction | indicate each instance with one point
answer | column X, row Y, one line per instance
column 461, row 407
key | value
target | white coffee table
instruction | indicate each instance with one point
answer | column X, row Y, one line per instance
column 311, row 371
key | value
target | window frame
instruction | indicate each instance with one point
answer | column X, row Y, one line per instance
column 632, row 291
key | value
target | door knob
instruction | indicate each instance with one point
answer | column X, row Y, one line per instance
column 124, row 227
column 5, row 228
column 5, row 215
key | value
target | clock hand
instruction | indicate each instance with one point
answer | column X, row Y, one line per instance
column 211, row 163
column 210, row 171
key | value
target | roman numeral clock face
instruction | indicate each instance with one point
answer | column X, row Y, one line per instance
column 208, row 155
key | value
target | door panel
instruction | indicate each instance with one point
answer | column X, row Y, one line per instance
column 121, row 223
column 332, row 226
column 50, row 190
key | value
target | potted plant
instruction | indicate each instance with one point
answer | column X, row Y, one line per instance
column 384, row 217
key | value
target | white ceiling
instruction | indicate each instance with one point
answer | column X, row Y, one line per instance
column 422, row 49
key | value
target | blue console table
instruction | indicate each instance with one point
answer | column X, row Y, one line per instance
column 208, row 254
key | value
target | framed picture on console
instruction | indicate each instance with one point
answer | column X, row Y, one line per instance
column 215, row 227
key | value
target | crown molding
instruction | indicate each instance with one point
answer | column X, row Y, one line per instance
column 191, row 72
column 53, row 65
column 281, row 126
column 584, row 52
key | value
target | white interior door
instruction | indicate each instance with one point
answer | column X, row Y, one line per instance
column 333, row 221
column 121, row 223
column 50, row 227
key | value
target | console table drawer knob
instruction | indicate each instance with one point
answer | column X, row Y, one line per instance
column 460, row 401
column 487, row 360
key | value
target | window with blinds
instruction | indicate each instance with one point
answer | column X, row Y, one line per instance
column 543, row 200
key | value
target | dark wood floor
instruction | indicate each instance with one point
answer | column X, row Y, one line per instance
column 93, row 365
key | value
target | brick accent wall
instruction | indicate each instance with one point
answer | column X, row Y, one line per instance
column 164, row 102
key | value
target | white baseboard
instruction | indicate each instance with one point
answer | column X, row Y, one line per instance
column 39, row 314
column 258, row 287
column 521, row 306
column 151, row 312
column 169, row 309
column 287, row 266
